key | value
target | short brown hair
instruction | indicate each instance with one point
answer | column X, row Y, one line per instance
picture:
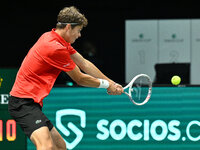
column 70, row 15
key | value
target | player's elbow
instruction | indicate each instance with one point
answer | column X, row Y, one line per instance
column 80, row 80
column 85, row 65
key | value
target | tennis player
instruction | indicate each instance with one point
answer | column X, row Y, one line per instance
column 50, row 55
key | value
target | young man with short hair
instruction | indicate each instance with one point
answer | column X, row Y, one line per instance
column 50, row 55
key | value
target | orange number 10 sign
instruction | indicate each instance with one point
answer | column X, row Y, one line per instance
column 10, row 130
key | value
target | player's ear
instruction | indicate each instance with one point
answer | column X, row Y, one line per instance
column 68, row 27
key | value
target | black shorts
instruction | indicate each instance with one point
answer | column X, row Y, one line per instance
column 28, row 114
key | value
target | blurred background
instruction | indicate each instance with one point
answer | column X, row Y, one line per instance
column 123, row 38
column 23, row 22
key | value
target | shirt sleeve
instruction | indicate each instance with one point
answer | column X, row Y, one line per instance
column 71, row 50
column 60, row 58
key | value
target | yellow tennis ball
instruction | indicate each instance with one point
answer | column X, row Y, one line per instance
column 176, row 80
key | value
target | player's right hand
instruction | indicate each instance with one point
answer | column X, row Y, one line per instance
column 115, row 89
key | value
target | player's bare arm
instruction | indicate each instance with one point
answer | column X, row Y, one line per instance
column 92, row 70
column 90, row 81
column 82, row 78
column 88, row 67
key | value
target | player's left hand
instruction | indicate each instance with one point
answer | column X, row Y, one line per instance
column 118, row 90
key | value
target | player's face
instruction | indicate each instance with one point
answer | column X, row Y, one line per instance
column 73, row 33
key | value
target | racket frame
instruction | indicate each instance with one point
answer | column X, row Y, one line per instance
column 130, row 85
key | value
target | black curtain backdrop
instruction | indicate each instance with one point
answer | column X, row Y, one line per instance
column 23, row 22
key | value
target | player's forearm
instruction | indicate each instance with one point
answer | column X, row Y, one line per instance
column 88, row 81
column 92, row 70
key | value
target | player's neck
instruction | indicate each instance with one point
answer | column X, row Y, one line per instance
column 60, row 32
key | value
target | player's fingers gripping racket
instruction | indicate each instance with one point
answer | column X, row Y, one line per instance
column 139, row 89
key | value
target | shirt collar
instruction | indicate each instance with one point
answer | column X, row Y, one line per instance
column 65, row 43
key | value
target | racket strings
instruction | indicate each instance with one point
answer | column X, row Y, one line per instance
column 140, row 91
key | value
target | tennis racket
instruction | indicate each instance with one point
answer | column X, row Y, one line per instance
column 139, row 89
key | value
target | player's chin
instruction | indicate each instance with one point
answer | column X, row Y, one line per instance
column 73, row 41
